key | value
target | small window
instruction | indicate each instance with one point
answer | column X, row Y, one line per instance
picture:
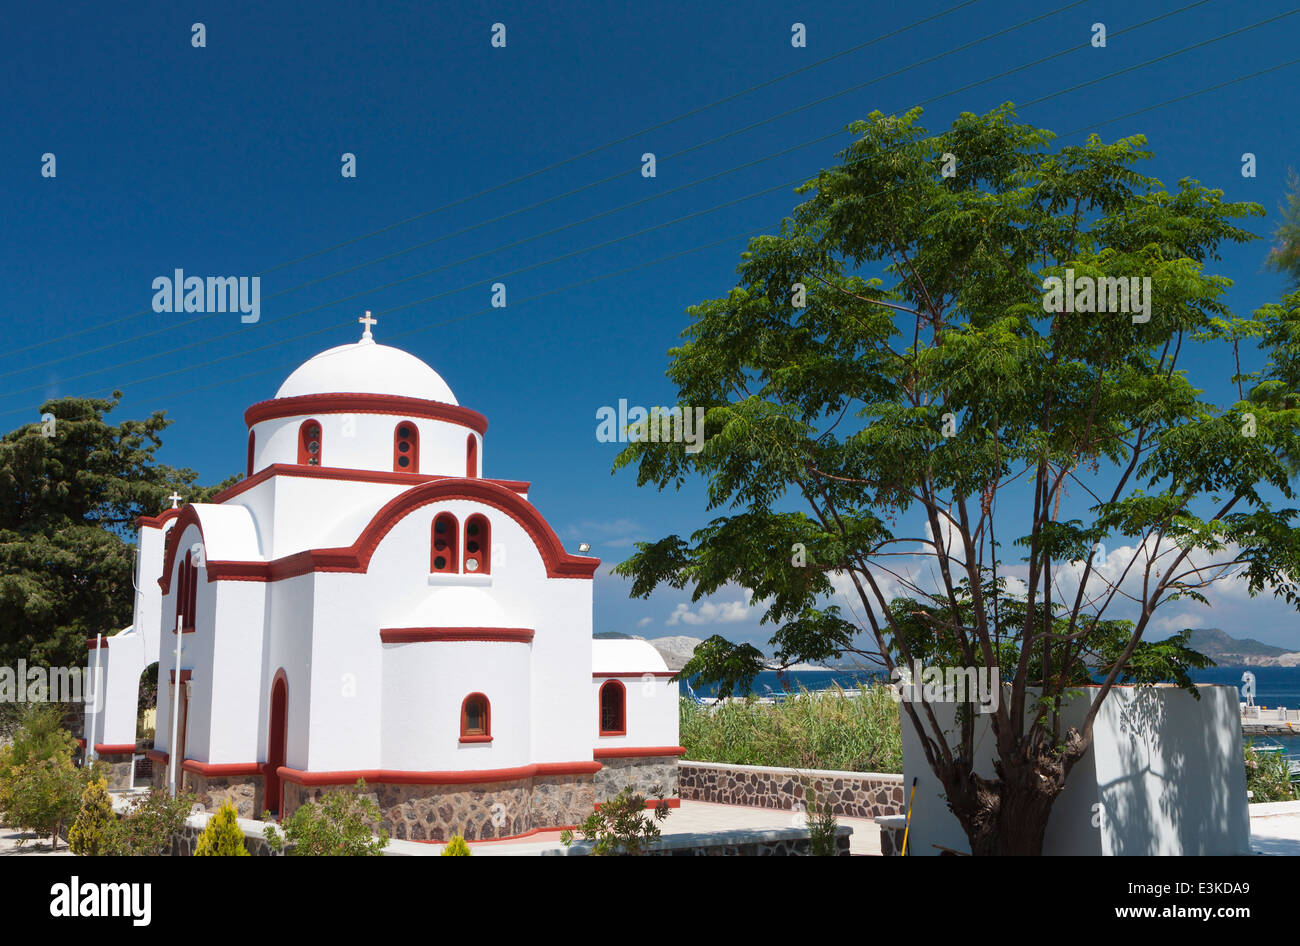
column 309, row 443
column 406, row 448
column 471, row 457
column 252, row 442
column 475, row 719
column 613, row 709
column 478, row 545
column 444, row 543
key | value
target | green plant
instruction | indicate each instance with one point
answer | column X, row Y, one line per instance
column 46, row 795
column 823, row 831
column 1268, row 775
column 88, row 835
column 150, row 827
column 621, row 826
column 456, row 847
column 341, row 824
column 222, row 836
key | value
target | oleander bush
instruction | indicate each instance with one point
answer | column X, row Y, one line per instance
column 1268, row 775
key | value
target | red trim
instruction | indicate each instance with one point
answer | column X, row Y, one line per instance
column 483, row 557
column 304, row 404
column 212, row 770
column 185, row 675
column 92, row 643
column 115, row 748
column 412, row 442
column 160, row 520
column 634, row 676
column 277, row 741
column 252, row 443
column 471, row 456
column 82, row 743
column 159, row 756
column 636, row 752
column 621, row 728
column 486, row 734
column 412, row 635
column 401, row 777
column 304, row 454
column 356, row 557
column 342, row 473
column 449, row 539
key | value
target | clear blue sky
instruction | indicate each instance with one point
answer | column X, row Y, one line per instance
column 225, row 161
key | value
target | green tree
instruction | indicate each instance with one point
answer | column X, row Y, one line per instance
column 456, row 847
column 94, row 820
column 341, row 824
column 1285, row 255
column 39, row 736
column 46, row 795
column 930, row 374
column 70, row 492
column 222, row 837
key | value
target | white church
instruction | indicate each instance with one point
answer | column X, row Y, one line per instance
column 364, row 603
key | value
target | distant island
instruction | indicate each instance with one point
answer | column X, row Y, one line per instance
column 677, row 650
column 1228, row 651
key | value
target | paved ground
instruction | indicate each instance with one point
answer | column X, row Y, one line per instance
column 1275, row 828
column 10, row 845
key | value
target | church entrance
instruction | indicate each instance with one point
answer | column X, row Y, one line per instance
column 275, row 745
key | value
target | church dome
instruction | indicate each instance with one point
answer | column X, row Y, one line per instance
column 366, row 367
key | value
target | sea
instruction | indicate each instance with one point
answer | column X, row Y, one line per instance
column 1274, row 686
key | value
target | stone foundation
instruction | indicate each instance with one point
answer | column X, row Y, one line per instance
column 118, row 770
column 478, row 812
column 643, row 773
column 213, row 791
column 849, row 794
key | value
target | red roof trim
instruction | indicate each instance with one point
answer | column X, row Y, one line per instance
column 212, row 770
column 412, row 635
column 92, row 643
column 158, row 755
column 349, row 475
column 304, row 404
column 356, row 557
column 106, row 748
column 634, row 676
column 404, row 777
column 160, row 520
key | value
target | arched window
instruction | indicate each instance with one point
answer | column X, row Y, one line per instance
column 309, row 443
column 613, row 709
column 406, row 448
column 182, row 592
column 478, row 545
column 476, row 719
column 444, row 542
column 471, row 457
column 252, row 439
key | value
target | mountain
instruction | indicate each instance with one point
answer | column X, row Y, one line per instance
column 1228, row 651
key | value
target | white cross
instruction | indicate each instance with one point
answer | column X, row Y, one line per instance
column 175, row 498
column 367, row 321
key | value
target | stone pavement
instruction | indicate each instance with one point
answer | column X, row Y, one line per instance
column 31, row 846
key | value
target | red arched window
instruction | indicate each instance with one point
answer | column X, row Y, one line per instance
column 471, row 457
column 252, row 440
column 187, row 593
column 406, row 448
column 309, row 443
column 476, row 719
column 444, row 544
column 182, row 592
column 478, row 545
column 613, row 709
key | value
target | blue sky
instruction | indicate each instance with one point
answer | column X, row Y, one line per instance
column 226, row 161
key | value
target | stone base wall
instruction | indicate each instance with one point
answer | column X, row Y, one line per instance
column 643, row 773
column 849, row 794
column 213, row 791
column 478, row 812
column 118, row 771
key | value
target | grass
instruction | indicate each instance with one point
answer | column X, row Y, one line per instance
column 829, row 730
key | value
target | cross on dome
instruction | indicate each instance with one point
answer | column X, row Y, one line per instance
column 367, row 321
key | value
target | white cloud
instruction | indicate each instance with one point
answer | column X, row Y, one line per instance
column 644, row 622
column 709, row 612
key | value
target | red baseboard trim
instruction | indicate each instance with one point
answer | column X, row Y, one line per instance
column 116, row 748
column 212, row 770
column 404, row 777
column 636, row 752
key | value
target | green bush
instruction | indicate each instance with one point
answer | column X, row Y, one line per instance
column 621, row 825
column 150, row 827
column 88, row 835
column 38, row 736
column 1268, row 776
column 831, row 730
column 456, row 847
column 822, row 827
column 46, row 796
column 222, row 836
column 341, row 825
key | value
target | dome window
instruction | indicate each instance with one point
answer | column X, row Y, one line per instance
column 471, row 457
column 478, row 545
column 252, row 443
column 309, row 443
column 406, row 448
column 444, row 544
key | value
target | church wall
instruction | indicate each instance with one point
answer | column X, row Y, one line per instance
column 288, row 646
column 364, row 442
column 651, row 712
column 323, row 513
column 236, row 674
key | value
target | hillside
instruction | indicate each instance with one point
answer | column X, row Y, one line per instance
column 1228, row 651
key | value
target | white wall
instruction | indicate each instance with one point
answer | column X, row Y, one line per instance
column 652, row 713
column 365, row 442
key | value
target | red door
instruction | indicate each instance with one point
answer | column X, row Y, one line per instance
column 275, row 744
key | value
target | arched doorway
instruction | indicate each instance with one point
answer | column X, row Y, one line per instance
column 275, row 742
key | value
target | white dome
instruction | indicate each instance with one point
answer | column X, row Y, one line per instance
column 367, row 368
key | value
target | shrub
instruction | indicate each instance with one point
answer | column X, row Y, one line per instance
column 340, row 825
column 150, row 827
column 823, row 831
column 1268, row 775
column 39, row 736
column 222, row 836
column 856, row 732
column 46, row 795
column 95, row 820
column 621, row 825
column 456, row 847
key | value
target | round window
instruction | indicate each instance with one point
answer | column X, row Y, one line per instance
column 403, row 461
column 472, row 564
column 440, row 563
